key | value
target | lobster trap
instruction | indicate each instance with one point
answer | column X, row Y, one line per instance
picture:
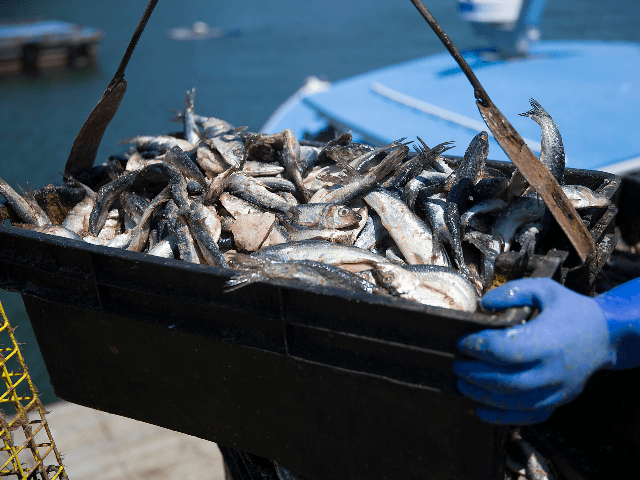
column 27, row 443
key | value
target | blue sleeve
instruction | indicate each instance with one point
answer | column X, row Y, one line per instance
column 621, row 309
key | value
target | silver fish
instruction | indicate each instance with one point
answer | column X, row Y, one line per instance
column 406, row 284
column 412, row 235
column 363, row 162
column 584, row 197
column 186, row 244
column 167, row 248
column 191, row 132
column 133, row 206
column 217, row 185
column 278, row 184
column 414, row 166
column 29, row 212
column 253, row 191
column 551, row 148
column 57, row 231
column 364, row 182
column 346, row 236
column 77, row 220
column 206, row 236
column 141, row 230
column 320, row 251
column 121, row 241
column 462, row 181
column 112, row 225
column 254, row 168
column 372, row 234
column 104, row 199
column 210, row 160
column 308, row 158
column 490, row 205
column 304, row 271
column 489, row 187
column 523, row 210
column 323, row 215
column 138, row 162
column 489, row 248
column 160, row 143
column 289, row 198
column 428, row 181
column 455, row 284
column 290, row 156
column 222, row 136
column 237, row 206
column 433, row 206
column 176, row 157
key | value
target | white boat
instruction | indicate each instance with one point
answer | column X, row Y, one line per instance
column 591, row 89
column 200, row 31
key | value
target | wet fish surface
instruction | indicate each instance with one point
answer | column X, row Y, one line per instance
column 341, row 214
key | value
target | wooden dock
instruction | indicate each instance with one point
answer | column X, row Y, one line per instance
column 35, row 45
column 101, row 446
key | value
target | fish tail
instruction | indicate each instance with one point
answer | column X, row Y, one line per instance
column 536, row 111
column 390, row 163
column 242, row 280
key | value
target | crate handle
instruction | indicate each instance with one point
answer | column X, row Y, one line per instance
column 529, row 166
column 85, row 146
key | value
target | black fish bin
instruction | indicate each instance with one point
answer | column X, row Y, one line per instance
column 329, row 383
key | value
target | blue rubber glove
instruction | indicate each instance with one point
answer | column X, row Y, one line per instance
column 523, row 373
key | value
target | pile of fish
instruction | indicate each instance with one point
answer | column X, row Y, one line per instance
column 343, row 214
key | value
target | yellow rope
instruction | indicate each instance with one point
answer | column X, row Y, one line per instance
column 23, row 396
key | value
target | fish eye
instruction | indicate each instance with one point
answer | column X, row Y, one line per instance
column 388, row 278
column 343, row 212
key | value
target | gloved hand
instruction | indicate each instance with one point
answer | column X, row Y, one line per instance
column 523, row 373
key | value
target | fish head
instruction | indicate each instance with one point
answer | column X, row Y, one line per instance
column 477, row 151
column 393, row 278
column 341, row 216
column 390, row 277
column 384, row 273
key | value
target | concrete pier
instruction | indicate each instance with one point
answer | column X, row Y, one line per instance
column 101, row 446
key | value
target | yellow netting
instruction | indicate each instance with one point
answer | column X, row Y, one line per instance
column 26, row 439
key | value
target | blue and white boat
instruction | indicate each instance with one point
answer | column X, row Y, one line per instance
column 590, row 88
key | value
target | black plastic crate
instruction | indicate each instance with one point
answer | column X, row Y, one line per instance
column 328, row 383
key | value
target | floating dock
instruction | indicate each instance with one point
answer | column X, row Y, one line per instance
column 35, row 45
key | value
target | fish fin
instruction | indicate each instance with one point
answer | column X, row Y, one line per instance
column 178, row 116
column 334, row 179
column 389, row 164
column 71, row 178
column 424, row 147
column 442, row 147
column 349, row 170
